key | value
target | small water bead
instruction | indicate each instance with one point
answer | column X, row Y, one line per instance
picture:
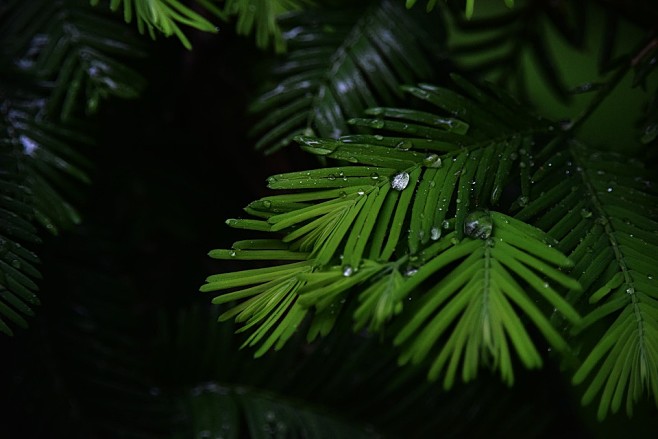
column 377, row 123
column 404, row 145
column 360, row 192
column 410, row 271
column 435, row 233
column 432, row 161
column 331, row 177
column 267, row 204
column 478, row 224
column 585, row 213
column 523, row 201
column 379, row 137
column 374, row 176
column 348, row 270
column 445, row 224
column 400, row 181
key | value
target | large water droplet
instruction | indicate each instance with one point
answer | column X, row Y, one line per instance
column 400, row 181
column 348, row 270
column 435, row 233
column 478, row 224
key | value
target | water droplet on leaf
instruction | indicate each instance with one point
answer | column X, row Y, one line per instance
column 478, row 224
column 432, row 161
column 404, row 145
column 348, row 270
column 400, row 181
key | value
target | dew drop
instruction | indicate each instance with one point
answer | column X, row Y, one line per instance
column 331, row 177
column 410, row 271
column 379, row 137
column 630, row 290
column 400, row 181
column 609, row 189
column 404, row 145
column 445, row 224
column 348, row 270
column 435, row 233
column 478, row 224
column 378, row 123
column 374, row 176
column 432, row 161
column 585, row 213
column 267, row 204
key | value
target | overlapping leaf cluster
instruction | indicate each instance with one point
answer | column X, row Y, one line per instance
column 338, row 64
column 410, row 208
column 59, row 61
column 602, row 209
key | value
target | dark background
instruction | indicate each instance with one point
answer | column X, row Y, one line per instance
column 107, row 352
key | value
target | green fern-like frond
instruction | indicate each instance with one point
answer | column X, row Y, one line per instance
column 73, row 54
column 602, row 208
column 220, row 411
column 162, row 15
column 394, row 217
column 469, row 8
column 340, row 63
column 499, row 46
column 480, row 295
column 56, row 57
column 17, row 264
column 37, row 166
column 263, row 17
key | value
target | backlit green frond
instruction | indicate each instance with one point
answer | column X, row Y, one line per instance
column 367, row 234
column 163, row 15
column 468, row 10
column 602, row 209
column 503, row 45
column 263, row 17
column 476, row 303
column 338, row 65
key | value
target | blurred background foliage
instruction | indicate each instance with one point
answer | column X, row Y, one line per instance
column 122, row 346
